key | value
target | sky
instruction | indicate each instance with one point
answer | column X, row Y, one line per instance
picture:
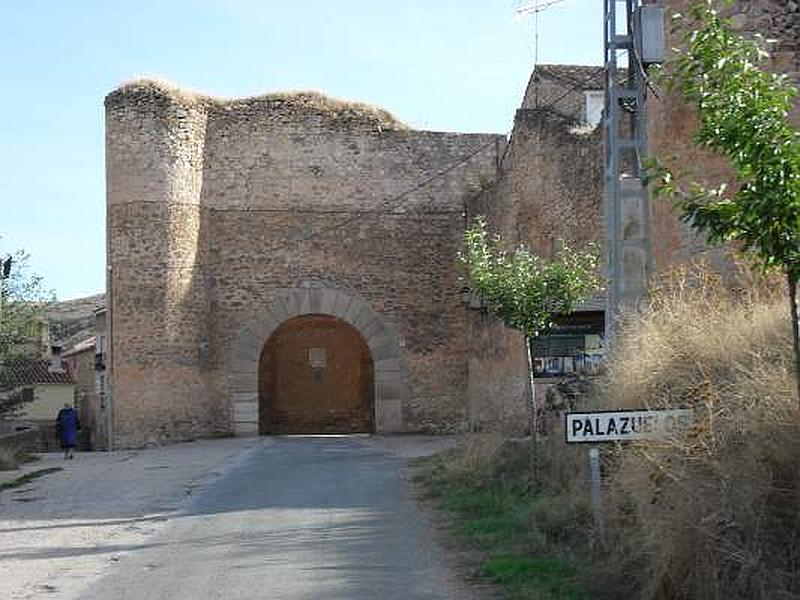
column 445, row 65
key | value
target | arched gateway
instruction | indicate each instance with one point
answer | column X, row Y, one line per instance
column 316, row 360
column 316, row 376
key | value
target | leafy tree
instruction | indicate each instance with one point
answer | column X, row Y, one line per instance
column 526, row 291
column 743, row 112
column 23, row 301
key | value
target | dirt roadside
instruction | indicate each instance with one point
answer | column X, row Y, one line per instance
column 60, row 532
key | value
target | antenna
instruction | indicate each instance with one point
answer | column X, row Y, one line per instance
column 534, row 8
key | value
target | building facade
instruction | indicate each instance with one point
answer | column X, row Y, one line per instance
column 287, row 263
column 324, row 227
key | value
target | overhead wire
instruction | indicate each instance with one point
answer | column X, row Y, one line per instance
column 382, row 208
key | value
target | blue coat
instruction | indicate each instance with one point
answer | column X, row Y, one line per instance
column 67, row 427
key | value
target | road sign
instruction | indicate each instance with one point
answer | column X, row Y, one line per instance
column 625, row 425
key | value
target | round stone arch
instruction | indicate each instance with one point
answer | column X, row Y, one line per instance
column 390, row 389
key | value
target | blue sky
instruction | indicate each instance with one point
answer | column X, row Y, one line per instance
column 455, row 65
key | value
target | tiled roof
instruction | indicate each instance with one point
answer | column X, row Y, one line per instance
column 595, row 302
column 578, row 76
column 25, row 371
column 87, row 344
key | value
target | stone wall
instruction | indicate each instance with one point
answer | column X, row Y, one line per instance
column 81, row 366
column 215, row 208
column 549, row 189
column 671, row 123
column 562, row 89
column 154, row 162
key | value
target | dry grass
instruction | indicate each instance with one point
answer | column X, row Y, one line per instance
column 11, row 457
column 299, row 102
column 711, row 515
column 715, row 514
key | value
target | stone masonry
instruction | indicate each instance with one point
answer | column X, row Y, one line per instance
column 227, row 218
column 671, row 123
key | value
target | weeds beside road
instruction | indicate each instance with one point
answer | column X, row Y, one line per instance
column 25, row 479
column 530, row 543
column 707, row 515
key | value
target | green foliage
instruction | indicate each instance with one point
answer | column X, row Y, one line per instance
column 743, row 113
column 22, row 308
column 22, row 305
column 531, row 543
column 523, row 289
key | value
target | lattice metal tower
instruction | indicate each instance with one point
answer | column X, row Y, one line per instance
column 633, row 40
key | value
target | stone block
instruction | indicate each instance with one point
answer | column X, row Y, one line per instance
column 244, row 365
column 315, row 301
column 374, row 332
column 363, row 318
column 279, row 311
column 387, row 365
column 389, row 388
column 304, row 307
column 245, row 429
column 327, row 301
column 341, row 305
column 243, row 382
column 389, row 417
column 291, row 302
column 245, row 412
column 387, row 350
column 352, row 311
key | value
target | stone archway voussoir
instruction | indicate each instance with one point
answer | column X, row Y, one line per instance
column 363, row 318
column 374, row 332
column 292, row 301
column 341, row 305
column 328, row 301
column 390, row 388
column 314, row 301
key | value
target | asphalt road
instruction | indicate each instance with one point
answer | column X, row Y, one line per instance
column 297, row 518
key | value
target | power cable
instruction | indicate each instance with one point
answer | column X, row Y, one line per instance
column 388, row 203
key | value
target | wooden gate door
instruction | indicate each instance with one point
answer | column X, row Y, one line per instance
column 316, row 376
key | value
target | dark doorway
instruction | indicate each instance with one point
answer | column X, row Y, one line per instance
column 316, row 376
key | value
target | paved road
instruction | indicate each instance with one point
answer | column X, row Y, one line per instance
column 298, row 518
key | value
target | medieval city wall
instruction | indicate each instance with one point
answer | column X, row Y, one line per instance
column 216, row 208
column 549, row 189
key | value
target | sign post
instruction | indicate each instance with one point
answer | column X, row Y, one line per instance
column 625, row 425
column 619, row 426
column 595, row 478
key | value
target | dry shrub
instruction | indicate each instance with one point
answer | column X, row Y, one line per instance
column 713, row 514
column 474, row 455
column 301, row 102
column 11, row 457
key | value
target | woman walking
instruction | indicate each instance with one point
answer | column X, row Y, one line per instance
column 67, row 426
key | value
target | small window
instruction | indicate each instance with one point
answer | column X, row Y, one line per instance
column 317, row 358
column 595, row 102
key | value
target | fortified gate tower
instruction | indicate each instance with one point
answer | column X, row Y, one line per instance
column 284, row 263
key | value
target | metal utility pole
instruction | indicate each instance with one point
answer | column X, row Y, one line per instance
column 634, row 39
